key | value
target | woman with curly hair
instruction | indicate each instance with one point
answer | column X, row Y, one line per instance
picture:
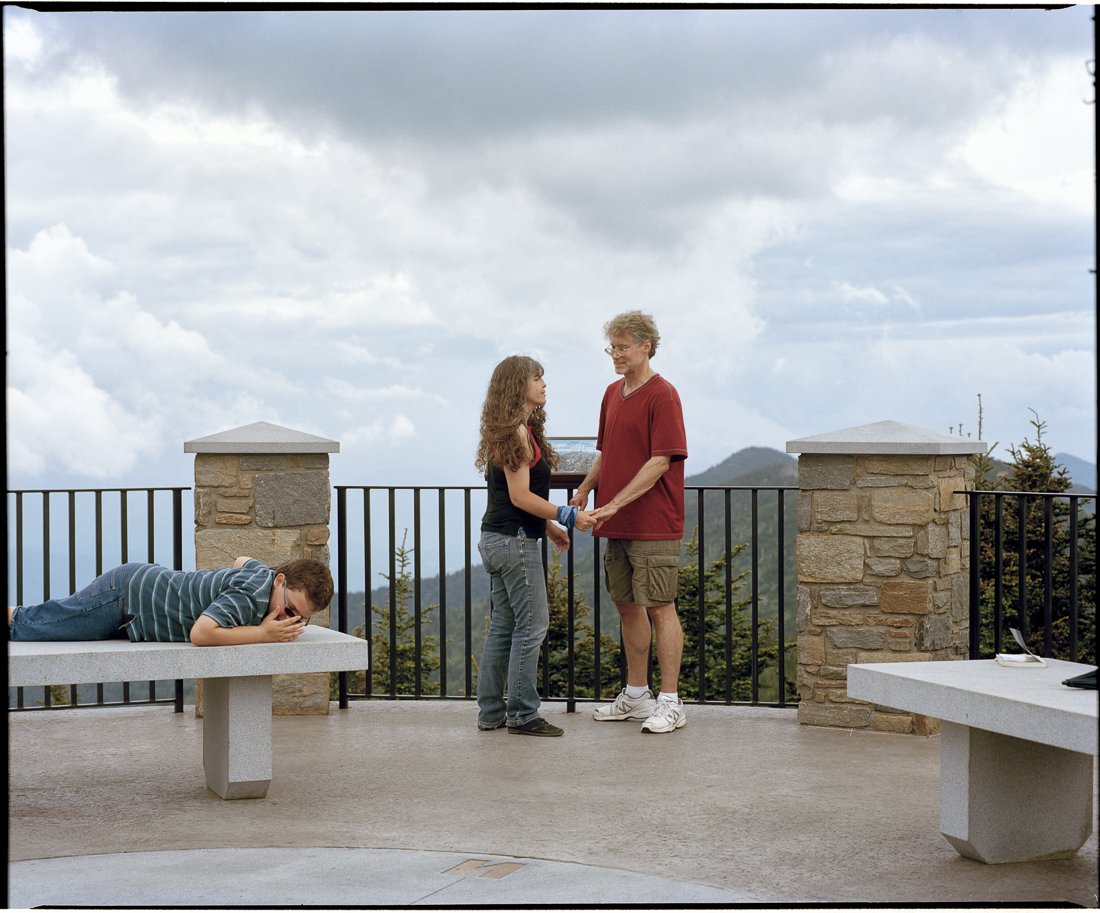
column 517, row 460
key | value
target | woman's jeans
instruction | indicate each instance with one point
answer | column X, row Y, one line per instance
column 517, row 628
column 97, row 612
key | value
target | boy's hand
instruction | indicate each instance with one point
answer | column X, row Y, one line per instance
column 281, row 629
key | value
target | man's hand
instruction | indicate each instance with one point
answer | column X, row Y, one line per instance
column 278, row 629
column 603, row 514
column 644, row 479
column 579, row 500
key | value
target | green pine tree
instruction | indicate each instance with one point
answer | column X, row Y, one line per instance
column 408, row 674
column 719, row 651
column 1034, row 469
column 556, row 652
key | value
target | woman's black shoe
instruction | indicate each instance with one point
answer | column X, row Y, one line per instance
column 537, row 726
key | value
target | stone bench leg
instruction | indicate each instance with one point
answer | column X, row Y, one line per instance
column 236, row 736
column 1004, row 799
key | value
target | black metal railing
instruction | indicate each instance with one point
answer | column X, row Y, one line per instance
column 737, row 650
column 427, row 622
column 100, row 528
column 1031, row 563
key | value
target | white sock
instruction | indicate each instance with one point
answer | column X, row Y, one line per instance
column 636, row 691
column 669, row 696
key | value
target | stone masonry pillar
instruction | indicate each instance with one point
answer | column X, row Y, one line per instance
column 883, row 558
column 263, row 491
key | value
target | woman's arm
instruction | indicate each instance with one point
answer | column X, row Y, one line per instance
column 521, row 496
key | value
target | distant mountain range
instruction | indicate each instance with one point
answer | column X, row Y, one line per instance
column 764, row 465
column 751, row 466
column 1081, row 471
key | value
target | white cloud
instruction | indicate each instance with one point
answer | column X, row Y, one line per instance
column 22, row 42
column 384, row 299
column 60, row 288
column 389, row 432
column 94, row 379
column 57, row 268
column 348, row 246
column 357, row 394
column 354, row 353
column 59, row 419
column 1038, row 143
column 867, row 294
column 930, row 374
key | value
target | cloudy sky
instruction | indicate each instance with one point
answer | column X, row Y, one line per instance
column 340, row 221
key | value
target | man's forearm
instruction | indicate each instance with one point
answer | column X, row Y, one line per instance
column 643, row 481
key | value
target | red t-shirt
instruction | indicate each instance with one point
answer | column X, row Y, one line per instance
column 647, row 423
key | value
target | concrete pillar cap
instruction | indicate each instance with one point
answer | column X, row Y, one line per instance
column 887, row 437
column 261, row 437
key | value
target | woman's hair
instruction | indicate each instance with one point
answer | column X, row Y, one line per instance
column 503, row 412
column 310, row 576
column 640, row 327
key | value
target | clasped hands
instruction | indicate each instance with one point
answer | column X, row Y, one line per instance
column 590, row 519
column 586, row 519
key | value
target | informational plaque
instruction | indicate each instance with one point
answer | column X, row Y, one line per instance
column 576, row 456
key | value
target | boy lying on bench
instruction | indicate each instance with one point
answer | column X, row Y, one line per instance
column 244, row 604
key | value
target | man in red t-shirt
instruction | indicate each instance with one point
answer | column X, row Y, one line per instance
column 639, row 481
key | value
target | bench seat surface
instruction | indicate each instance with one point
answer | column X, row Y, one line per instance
column 318, row 649
column 1030, row 704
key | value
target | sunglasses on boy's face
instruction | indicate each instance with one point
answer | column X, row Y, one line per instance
column 292, row 612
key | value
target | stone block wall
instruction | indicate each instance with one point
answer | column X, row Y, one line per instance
column 883, row 557
column 272, row 507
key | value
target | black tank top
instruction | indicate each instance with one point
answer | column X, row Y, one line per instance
column 501, row 515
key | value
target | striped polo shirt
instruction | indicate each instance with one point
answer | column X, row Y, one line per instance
column 166, row 603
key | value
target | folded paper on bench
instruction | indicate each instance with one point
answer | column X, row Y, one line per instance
column 1020, row 660
column 1027, row 659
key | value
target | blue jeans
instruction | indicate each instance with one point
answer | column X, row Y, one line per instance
column 517, row 628
column 96, row 612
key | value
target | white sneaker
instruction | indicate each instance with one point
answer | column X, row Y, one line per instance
column 667, row 716
column 626, row 708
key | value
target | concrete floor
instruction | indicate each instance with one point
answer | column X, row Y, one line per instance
column 396, row 803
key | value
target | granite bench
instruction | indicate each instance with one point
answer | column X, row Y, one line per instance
column 1016, row 756
column 236, row 728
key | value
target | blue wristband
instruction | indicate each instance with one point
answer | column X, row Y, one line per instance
column 567, row 516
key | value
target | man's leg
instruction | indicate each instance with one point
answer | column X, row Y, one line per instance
column 670, row 644
column 637, row 637
column 660, row 582
column 635, row 701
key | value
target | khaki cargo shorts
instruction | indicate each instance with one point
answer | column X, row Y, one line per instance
column 642, row 571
